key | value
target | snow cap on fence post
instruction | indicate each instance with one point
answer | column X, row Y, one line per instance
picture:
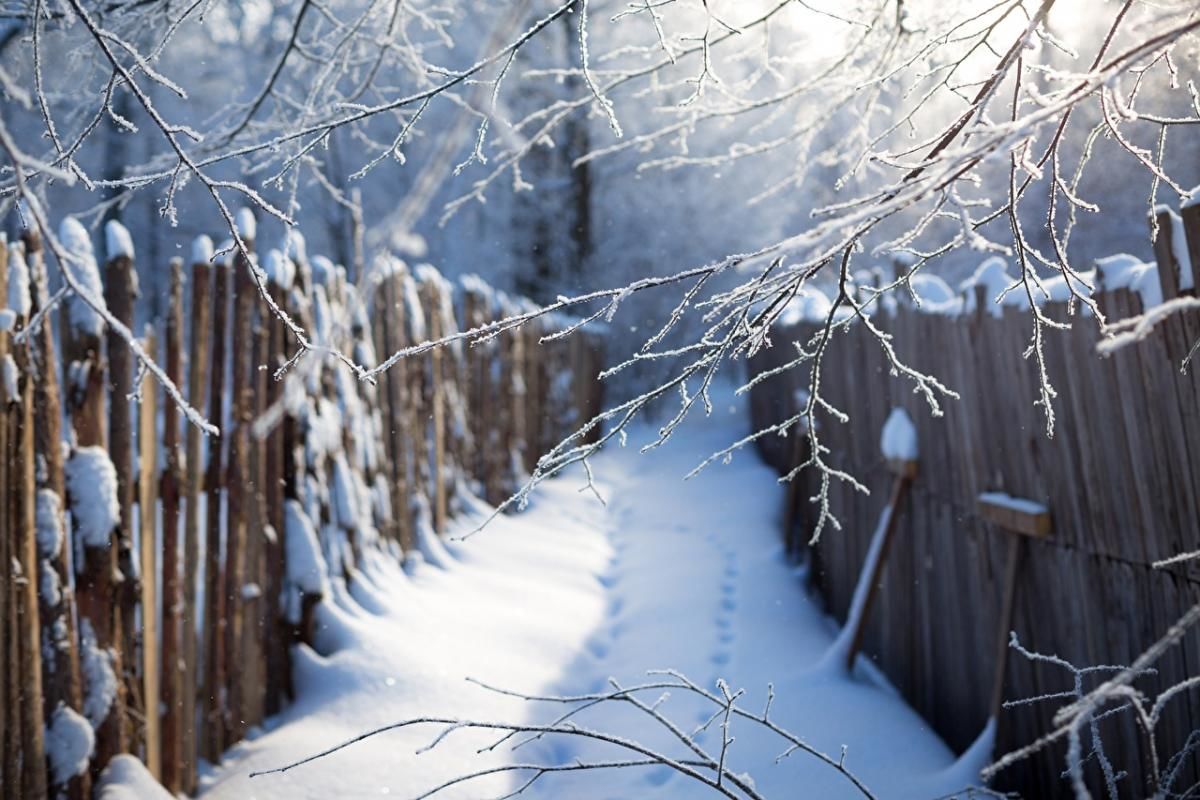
column 898, row 440
column 82, row 267
column 202, row 250
column 117, row 242
column 19, row 301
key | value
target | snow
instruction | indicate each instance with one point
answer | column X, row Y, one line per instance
column 1058, row 288
column 992, row 275
column 49, row 523
column 99, row 679
column 898, row 440
column 117, row 241
column 92, row 487
column 10, row 378
column 247, row 227
column 202, row 250
column 69, row 742
column 835, row 657
column 306, row 568
column 935, row 295
column 126, row 778
column 323, row 270
column 294, row 246
column 19, row 299
column 280, row 269
column 670, row 573
column 809, row 305
column 75, row 239
column 1123, row 271
column 1014, row 503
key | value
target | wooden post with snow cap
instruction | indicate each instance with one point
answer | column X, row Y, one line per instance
column 61, row 683
column 1175, row 275
column 91, row 483
column 214, row 589
column 120, row 292
column 899, row 445
column 1024, row 518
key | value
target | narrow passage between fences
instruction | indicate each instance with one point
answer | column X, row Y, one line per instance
column 560, row 598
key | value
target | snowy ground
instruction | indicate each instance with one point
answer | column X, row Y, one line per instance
column 685, row 575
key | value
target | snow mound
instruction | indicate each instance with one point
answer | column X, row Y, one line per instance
column 809, row 305
column 69, row 743
column 126, row 778
column 1124, row 271
column 49, row 523
column 99, row 679
column 92, row 487
column 935, row 295
column 993, row 277
column 899, row 438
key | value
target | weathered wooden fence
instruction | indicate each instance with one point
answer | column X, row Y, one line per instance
column 159, row 577
column 1121, row 477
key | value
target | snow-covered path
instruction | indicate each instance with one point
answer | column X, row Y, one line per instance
column 670, row 574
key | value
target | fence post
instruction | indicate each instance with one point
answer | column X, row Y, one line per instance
column 175, row 615
column 19, row 509
column 60, row 672
column 239, row 494
column 98, row 578
column 152, row 618
column 198, row 376
column 214, row 588
column 120, row 293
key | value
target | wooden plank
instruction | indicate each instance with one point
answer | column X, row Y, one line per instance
column 175, row 617
column 22, row 507
column 120, row 294
column 213, row 742
column 198, row 396
column 1028, row 518
column 152, row 615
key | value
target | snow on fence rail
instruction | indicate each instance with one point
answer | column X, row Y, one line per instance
column 1121, row 478
column 158, row 577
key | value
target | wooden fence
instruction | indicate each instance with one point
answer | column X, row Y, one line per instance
column 159, row 577
column 1121, row 477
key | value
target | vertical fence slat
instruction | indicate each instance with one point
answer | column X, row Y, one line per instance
column 214, row 587
column 175, row 616
column 61, row 682
column 152, row 617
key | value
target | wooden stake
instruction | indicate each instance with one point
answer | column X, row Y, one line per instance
column 905, row 471
column 148, row 527
column 61, row 682
column 198, row 377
